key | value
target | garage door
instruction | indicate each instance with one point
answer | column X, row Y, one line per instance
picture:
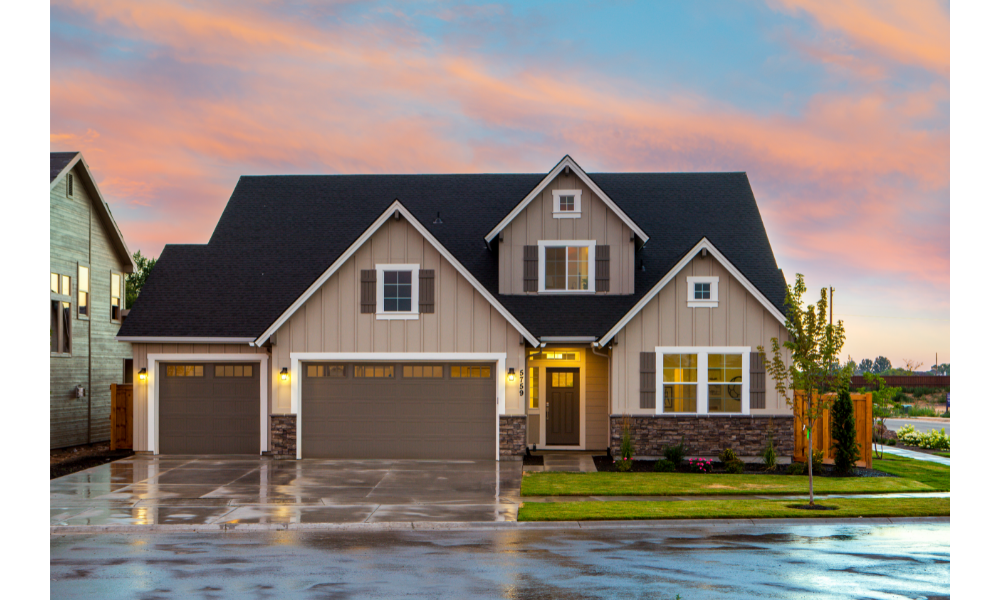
column 209, row 408
column 401, row 410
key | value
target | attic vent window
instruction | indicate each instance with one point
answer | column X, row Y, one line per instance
column 69, row 184
column 566, row 204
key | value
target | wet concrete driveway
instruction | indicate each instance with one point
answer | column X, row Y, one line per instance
column 697, row 562
column 200, row 490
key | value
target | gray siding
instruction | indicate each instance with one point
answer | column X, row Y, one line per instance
column 597, row 222
column 596, row 393
column 78, row 237
column 739, row 320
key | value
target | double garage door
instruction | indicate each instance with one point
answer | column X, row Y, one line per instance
column 398, row 410
column 209, row 408
column 349, row 410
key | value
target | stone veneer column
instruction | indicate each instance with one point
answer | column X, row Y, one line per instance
column 513, row 436
column 283, row 436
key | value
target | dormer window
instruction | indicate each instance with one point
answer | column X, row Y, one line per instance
column 566, row 204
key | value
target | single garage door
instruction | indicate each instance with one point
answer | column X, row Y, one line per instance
column 401, row 410
column 209, row 408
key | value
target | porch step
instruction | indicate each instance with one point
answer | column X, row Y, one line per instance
column 569, row 463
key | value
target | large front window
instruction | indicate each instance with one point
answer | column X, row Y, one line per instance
column 567, row 266
column 703, row 380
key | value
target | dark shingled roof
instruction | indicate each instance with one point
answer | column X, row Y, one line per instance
column 58, row 162
column 278, row 234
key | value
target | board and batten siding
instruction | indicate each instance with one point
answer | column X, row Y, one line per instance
column 141, row 391
column 739, row 320
column 596, row 392
column 331, row 320
column 77, row 237
column 597, row 222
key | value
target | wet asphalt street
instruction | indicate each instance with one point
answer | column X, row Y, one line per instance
column 713, row 561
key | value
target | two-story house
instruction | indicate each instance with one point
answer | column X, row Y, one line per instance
column 464, row 316
column 88, row 261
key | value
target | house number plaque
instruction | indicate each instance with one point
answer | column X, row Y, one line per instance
column 521, row 393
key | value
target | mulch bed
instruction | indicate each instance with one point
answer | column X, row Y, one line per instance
column 64, row 461
column 605, row 464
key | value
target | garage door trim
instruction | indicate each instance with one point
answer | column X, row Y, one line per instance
column 153, row 386
column 297, row 358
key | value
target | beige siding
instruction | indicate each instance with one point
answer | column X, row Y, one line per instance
column 596, row 404
column 739, row 320
column 331, row 320
column 597, row 222
column 77, row 237
column 140, row 391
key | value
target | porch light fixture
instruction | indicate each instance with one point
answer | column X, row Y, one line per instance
column 142, row 374
column 510, row 374
column 284, row 373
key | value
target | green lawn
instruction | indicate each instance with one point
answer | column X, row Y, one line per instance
column 944, row 454
column 696, row 484
column 937, row 477
column 732, row 509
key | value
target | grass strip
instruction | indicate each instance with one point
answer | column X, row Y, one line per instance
column 931, row 474
column 699, row 484
column 944, row 454
column 733, row 509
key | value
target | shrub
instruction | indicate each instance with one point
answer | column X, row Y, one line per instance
column 664, row 466
column 625, row 464
column 727, row 455
column 675, row 454
column 770, row 457
column 845, row 434
column 817, row 457
column 892, row 441
column 699, row 465
column 734, row 466
column 797, row 468
column 922, row 411
column 931, row 440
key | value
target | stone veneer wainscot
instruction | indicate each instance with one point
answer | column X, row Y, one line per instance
column 705, row 435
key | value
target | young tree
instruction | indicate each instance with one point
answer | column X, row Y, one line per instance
column 882, row 396
column 813, row 345
column 912, row 365
column 845, row 433
column 135, row 281
column 881, row 365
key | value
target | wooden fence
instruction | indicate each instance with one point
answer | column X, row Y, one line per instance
column 907, row 381
column 121, row 416
column 822, row 438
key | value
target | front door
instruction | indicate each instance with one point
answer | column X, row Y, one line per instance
column 562, row 416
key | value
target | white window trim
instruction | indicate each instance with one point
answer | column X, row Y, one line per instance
column 711, row 303
column 414, row 312
column 591, row 265
column 566, row 214
column 703, row 352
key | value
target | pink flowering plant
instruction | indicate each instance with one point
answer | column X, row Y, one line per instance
column 699, row 465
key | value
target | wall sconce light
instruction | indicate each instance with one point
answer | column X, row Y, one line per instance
column 284, row 373
column 510, row 374
column 142, row 374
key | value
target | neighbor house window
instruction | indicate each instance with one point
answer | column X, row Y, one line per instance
column 567, row 266
column 116, row 297
column 397, row 291
column 83, row 292
column 703, row 292
column 566, row 204
column 60, row 327
column 703, row 380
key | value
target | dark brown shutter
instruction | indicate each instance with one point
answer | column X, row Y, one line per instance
column 603, row 265
column 427, row 290
column 757, row 380
column 531, row 268
column 647, row 380
column 369, row 296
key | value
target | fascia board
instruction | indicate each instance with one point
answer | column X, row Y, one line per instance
column 703, row 244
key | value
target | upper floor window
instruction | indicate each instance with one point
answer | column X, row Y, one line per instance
column 60, row 327
column 60, row 284
column 703, row 291
column 116, row 297
column 566, row 204
column 397, row 291
column 69, row 184
column 567, row 265
column 83, row 291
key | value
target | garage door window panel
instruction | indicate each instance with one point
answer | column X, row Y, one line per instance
column 423, row 371
column 326, row 371
column 374, row 371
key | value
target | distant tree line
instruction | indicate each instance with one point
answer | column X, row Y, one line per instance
column 882, row 366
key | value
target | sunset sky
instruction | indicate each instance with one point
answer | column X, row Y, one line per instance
column 837, row 112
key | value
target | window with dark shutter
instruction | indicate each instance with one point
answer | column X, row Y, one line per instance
column 647, row 380
column 427, row 290
column 531, row 268
column 603, row 267
column 369, row 295
column 757, row 380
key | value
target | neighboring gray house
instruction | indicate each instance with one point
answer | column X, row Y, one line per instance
column 464, row 316
column 88, row 261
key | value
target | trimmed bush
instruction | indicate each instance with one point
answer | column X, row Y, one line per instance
column 845, row 434
column 675, row 454
column 664, row 466
column 770, row 457
column 797, row 468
